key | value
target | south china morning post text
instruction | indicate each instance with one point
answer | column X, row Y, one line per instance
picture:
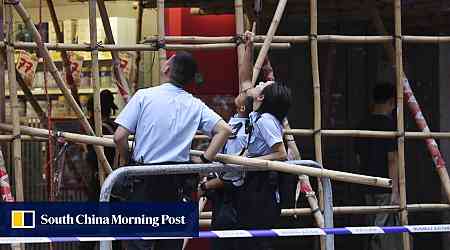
column 79, row 219
column 85, row 219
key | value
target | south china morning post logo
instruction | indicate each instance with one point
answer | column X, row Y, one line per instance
column 23, row 219
column 84, row 219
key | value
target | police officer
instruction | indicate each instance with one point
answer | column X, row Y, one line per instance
column 164, row 120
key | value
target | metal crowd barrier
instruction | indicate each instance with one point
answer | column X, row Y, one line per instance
column 127, row 171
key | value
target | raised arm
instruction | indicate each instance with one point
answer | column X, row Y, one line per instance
column 246, row 70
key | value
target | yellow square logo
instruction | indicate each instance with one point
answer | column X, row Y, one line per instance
column 22, row 219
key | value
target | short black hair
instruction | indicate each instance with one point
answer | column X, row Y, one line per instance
column 183, row 68
column 383, row 92
column 277, row 100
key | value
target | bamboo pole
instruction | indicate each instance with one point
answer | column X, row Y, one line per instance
column 239, row 21
column 270, row 33
column 138, row 39
column 17, row 143
column 400, row 121
column 230, row 159
column 316, row 94
column 138, row 47
column 121, row 82
column 59, row 81
column 95, row 77
column 299, row 170
column 161, row 35
column 2, row 66
column 414, row 208
column 303, row 180
column 64, row 56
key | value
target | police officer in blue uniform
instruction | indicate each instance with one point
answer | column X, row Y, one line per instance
column 164, row 120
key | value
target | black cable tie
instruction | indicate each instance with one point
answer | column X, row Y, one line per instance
column 315, row 210
column 316, row 131
column 398, row 37
column 238, row 39
column 99, row 45
column 313, row 36
column 160, row 44
column 15, row 137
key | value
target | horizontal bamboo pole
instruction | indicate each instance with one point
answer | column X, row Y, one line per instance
column 72, row 137
column 358, row 210
column 299, row 170
column 296, row 132
column 23, row 138
column 305, row 39
column 263, row 164
column 212, row 43
column 137, row 47
column 369, row 133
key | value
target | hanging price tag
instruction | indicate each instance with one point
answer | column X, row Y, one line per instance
column 76, row 63
column 26, row 66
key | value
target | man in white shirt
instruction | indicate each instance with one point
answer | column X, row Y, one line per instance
column 164, row 120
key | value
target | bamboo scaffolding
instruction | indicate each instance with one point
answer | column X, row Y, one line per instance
column 400, row 121
column 161, row 35
column 414, row 108
column 240, row 49
column 17, row 143
column 95, row 77
column 414, row 208
column 121, row 82
column 270, row 33
column 230, row 159
column 64, row 56
column 59, row 81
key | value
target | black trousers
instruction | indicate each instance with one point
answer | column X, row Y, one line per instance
column 224, row 217
column 156, row 188
column 258, row 208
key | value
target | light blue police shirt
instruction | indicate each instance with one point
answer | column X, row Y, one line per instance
column 234, row 146
column 164, row 120
column 267, row 131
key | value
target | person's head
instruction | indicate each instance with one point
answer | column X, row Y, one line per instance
column 180, row 68
column 274, row 99
column 106, row 103
column 384, row 95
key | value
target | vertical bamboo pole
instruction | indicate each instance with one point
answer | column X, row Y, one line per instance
column 122, row 83
column 138, row 40
column 95, row 76
column 324, row 244
column 266, row 45
column 161, row 35
column 400, row 119
column 239, row 22
column 2, row 65
column 60, row 82
column 17, row 143
column 64, row 56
